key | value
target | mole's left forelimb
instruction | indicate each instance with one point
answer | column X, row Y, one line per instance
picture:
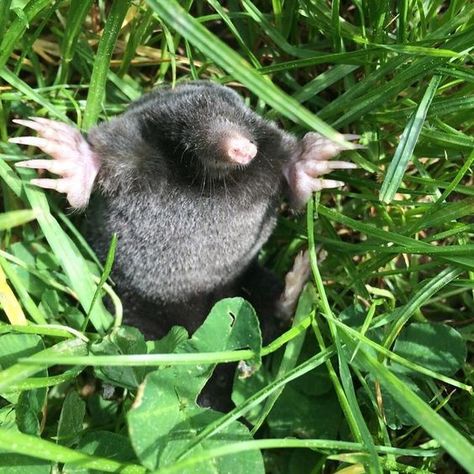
column 309, row 162
column 74, row 160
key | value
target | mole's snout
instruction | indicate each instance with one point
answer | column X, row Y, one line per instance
column 240, row 150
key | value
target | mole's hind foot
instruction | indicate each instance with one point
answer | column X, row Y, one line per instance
column 294, row 283
column 74, row 161
column 312, row 161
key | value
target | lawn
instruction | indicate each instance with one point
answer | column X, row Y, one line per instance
column 375, row 373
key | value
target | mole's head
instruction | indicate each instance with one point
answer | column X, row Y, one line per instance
column 221, row 144
column 211, row 129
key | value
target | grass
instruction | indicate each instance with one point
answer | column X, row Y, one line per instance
column 375, row 373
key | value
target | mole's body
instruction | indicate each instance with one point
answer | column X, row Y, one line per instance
column 190, row 180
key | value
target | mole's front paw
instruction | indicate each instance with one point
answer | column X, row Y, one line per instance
column 73, row 160
column 312, row 161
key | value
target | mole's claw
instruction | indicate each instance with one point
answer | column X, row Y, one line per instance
column 350, row 136
column 60, row 185
column 53, row 166
column 52, row 130
column 55, row 125
column 29, row 123
column 317, row 168
column 39, row 142
column 320, row 184
column 341, row 165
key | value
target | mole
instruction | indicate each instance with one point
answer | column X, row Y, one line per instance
column 190, row 180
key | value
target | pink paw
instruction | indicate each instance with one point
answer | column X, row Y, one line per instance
column 294, row 284
column 74, row 161
column 312, row 161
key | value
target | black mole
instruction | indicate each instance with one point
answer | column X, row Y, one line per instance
column 190, row 180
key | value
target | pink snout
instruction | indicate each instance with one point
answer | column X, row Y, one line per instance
column 240, row 150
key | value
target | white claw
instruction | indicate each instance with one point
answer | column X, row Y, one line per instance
column 53, row 131
column 54, row 125
column 341, row 165
column 60, row 185
column 320, row 184
column 29, row 123
column 34, row 141
column 42, row 143
column 350, row 136
column 318, row 168
column 57, row 167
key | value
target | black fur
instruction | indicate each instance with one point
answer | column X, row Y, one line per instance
column 189, row 223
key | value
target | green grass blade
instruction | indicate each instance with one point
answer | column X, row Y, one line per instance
column 178, row 19
column 18, row 27
column 15, row 218
column 190, row 464
column 31, row 94
column 274, row 33
column 404, row 151
column 387, row 236
column 109, row 261
column 23, row 295
column 449, row 438
column 21, row 371
column 342, row 384
column 12, row 441
column 290, row 356
column 102, row 60
column 4, row 16
column 78, row 10
column 71, row 260
column 432, row 286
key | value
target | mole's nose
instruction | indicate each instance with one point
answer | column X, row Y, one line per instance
column 240, row 150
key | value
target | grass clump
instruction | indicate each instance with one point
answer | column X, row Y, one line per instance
column 372, row 376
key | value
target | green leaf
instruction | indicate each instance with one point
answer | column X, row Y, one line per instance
column 11, row 463
column 29, row 410
column 104, row 444
column 170, row 394
column 20, row 371
column 168, row 343
column 71, row 419
column 299, row 415
column 438, row 347
column 159, row 444
column 122, row 341
column 15, row 346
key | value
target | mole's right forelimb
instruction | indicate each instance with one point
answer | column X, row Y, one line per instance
column 74, row 160
column 311, row 161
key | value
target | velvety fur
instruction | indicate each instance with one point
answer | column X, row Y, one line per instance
column 189, row 223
